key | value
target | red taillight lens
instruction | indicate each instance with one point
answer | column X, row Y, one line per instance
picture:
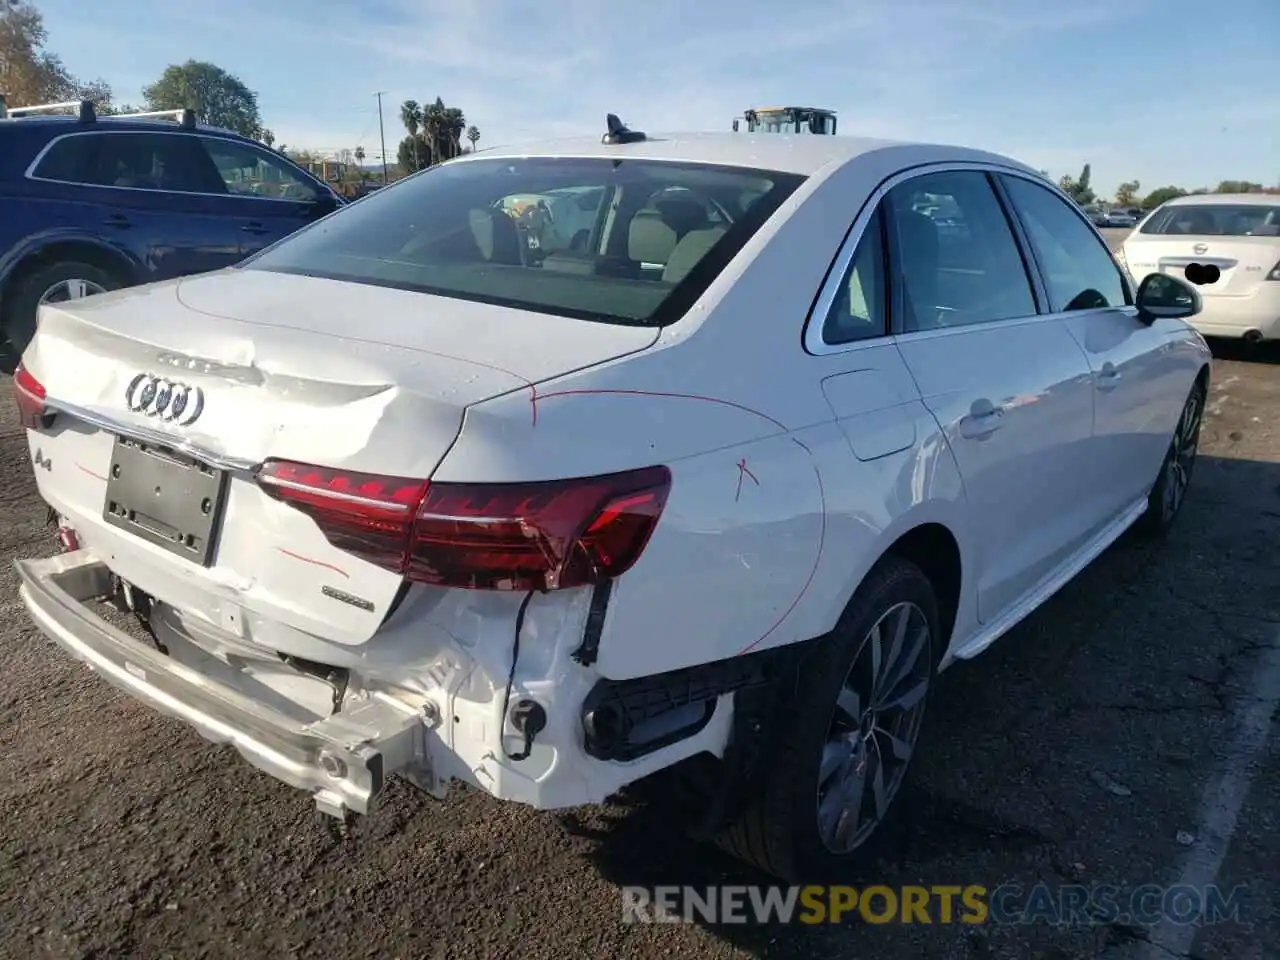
column 526, row 536
column 30, row 395
column 363, row 514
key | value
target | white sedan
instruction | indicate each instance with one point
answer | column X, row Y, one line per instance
column 1228, row 245
column 722, row 490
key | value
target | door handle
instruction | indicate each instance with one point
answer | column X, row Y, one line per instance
column 984, row 419
column 1108, row 377
column 255, row 228
column 117, row 220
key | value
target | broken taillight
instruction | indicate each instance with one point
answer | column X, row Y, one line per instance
column 547, row 535
column 30, row 396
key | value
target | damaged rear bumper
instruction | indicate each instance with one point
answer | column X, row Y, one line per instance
column 342, row 760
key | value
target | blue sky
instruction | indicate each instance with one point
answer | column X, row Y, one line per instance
column 1164, row 91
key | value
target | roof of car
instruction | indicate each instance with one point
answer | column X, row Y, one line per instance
column 1248, row 199
column 804, row 154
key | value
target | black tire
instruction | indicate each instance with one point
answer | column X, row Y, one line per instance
column 21, row 304
column 1166, row 499
column 779, row 831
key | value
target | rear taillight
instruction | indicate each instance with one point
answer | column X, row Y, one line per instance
column 30, row 395
column 519, row 536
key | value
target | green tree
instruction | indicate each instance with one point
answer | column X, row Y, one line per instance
column 1127, row 193
column 1161, row 195
column 473, row 134
column 218, row 98
column 267, row 137
column 412, row 151
column 1084, row 194
column 411, row 117
column 1238, row 186
column 30, row 74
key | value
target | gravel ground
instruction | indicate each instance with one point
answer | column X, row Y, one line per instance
column 1076, row 750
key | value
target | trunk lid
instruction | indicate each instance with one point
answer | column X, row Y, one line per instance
column 342, row 375
column 1244, row 262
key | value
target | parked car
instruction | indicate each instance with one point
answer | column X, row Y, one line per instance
column 716, row 500
column 1119, row 219
column 1226, row 244
column 92, row 204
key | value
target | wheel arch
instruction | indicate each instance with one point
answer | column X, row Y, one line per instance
column 933, row 547
column 54, row 249
column 933, row 540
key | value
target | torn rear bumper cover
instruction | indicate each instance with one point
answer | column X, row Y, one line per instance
column 342, row 760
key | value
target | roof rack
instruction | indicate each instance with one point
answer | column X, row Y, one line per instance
column 185, row 116
column 87, row 113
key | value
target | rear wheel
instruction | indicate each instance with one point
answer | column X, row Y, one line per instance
column 853, row 727
column 58, row 282
column 1170, row 490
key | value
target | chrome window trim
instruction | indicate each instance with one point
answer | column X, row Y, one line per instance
column 29, row 174
column 813, row 340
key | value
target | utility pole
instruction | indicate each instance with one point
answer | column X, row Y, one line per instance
column 382, row 137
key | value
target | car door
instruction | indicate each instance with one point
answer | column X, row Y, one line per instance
column 1134, row 379
column 1008, row 386
column 266, row 196
column 143, row 191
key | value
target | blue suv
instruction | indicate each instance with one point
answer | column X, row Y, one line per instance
column 90, row 204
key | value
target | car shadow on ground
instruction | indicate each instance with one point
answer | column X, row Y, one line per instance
column 1011, row 781
column 1241, row 352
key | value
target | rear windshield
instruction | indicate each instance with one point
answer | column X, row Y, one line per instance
column 614, row 240
column 1216, row 220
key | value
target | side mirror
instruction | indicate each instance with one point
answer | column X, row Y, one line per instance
column 325, row 203
column 1162, row 297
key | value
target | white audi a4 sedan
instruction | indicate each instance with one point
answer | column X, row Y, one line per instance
column 1228, row 245
column 714, row 484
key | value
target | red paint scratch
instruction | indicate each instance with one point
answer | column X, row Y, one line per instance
column 743, row 471
column 83, row 469
column 822, row 537
column 655, row 393
column 318, row 563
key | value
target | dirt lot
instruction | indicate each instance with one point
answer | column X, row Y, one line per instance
column 1117, row 737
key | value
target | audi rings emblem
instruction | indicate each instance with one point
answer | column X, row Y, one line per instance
column 166, row 400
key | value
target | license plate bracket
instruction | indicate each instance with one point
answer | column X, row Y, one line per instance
column 165, row 497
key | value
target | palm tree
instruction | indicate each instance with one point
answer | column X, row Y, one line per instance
column 434, row 128
column 473, row 135
column 411, row 115
column 455, row 125
column 359, row 154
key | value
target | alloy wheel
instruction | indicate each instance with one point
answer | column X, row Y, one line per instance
column 71, row 289
column 1182, row 454
column 874, row 727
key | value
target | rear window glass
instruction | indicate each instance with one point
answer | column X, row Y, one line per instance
column 614, row 240
column 1216, row 220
